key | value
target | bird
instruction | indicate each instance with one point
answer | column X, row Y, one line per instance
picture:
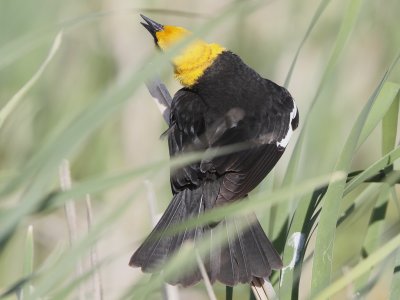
column 223, row 102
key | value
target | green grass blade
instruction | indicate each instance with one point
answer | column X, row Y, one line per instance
column 322, row 263
column 390, row 104
column 375, row 232
column 295, row 157
column 327, row 264
column 387, row 102
column 360, row 269
column 346, row 28
column 367, row 199
column 29, row 252
column 380, row 164
column 28, row 261
column 20, row 47
column 395, row 288
column 16, row 99
column 290, row 175
column 390, row 122
column 389, row 134
column 320, row 9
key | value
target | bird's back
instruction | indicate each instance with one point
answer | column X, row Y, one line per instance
column 230, row 83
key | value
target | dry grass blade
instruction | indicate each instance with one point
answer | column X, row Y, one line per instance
column 258, row 292
column 70, row 214
column 263, row 289
column 97, row 293
column 207, row 282
column 70, row 210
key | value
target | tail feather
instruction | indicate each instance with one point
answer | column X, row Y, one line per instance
column 229, row 269
column 241, row 254
column 213, row 259
column 154, row 250
column 268, row 249
column 247, row 254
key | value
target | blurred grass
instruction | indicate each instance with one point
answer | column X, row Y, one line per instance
column 90, row 105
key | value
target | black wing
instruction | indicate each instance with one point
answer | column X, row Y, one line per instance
column 186, row 135
column 265, row 136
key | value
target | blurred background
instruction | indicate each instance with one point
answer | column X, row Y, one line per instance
column 103, row 44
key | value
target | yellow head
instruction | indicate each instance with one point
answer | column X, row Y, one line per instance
column 170, row 35
column 191, row 63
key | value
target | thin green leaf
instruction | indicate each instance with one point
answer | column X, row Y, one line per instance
column 390, row 181
column 21, row 46
column 380, row 164
column 29, row 252
column 389, row 134
column 383, row 104
column 375, row 232
column 388, row 99
column 16, row 99
column 28, row 260
column 320, row 9
column 322, row 263
column 296, row 225
column 366, row 199
column 347, row 26
column 395, row 288
column 360, row 269
column 390, row 122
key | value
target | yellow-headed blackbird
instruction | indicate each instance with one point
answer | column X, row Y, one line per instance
column 223, row 102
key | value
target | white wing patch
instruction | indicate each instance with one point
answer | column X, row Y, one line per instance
column 160, row 105
column 285, row 141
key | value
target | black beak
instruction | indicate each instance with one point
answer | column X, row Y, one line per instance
column 151, row 26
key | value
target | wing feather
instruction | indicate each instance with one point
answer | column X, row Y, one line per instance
column 242, row 171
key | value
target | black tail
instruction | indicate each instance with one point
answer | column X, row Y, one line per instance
column 249, row 254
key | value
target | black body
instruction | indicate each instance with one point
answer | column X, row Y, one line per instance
column 230, row 104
